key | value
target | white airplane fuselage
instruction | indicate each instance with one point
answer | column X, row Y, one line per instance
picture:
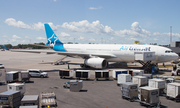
column 123, row 52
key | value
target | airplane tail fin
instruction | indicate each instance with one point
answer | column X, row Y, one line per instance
column 4, row 47
column 51, row 36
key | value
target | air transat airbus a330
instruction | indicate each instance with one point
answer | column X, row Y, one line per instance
column 98, row 55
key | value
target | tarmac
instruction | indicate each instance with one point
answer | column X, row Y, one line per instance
column 95, row 94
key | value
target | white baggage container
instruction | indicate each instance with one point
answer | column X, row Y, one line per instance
column 102, row 74
column 12, row 76
column 149, row 95
column 66, row 73
column 117, row 72
column 157, row 83
column 17, row 87
column 29, row 100
column 83, row 74
column 122, row 78
column 25, row 76
column 140, row 80
column 136, row 72
column 76, row 85
column 173, row 90
column 149, row 76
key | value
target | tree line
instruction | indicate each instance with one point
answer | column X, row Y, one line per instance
column 25, row 46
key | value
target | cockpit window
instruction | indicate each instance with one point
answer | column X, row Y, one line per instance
column 168, row 51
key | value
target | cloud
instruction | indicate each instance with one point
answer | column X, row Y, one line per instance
column 94, row 8
column 15, row 37
column 85, row 26
column 92, row 39
column 166, row 34
column 40, row 38
column 36, row 26
column 98, row 28
column 111, row 38
column 27, row 37
column 40, row 26
column 5, row 36
column 81, row 38
column 63, row 34
column 18, row 24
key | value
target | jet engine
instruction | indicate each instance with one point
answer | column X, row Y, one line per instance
column 96, row 62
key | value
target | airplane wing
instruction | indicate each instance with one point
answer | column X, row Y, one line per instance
column 71, row 54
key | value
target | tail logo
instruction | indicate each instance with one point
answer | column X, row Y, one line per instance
column 54, row 40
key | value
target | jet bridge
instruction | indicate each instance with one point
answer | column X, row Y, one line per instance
column 145, row 59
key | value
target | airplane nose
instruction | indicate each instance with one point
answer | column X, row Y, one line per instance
column 176, row 57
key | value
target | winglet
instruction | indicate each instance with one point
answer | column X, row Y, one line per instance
column 51, row 36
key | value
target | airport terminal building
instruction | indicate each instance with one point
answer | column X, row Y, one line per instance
column 175, row 46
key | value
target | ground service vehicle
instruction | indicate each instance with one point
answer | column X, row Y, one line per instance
column 37, row 73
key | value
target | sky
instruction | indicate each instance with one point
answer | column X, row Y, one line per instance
column 90, row 21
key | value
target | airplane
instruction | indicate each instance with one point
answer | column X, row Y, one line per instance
column 98, row 55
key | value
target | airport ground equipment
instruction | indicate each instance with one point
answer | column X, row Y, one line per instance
column 119, row 71
column 157, row 83
column 66, row 85
column 10, row 99
column 2, row 69
column 48, row 100
column 175, row 72
column 66, row 73
column 149, row 96
column 60, row 61
column 33, row 106
column 149, row 76
column 129, row 91
column 76, row 85
column 136, row 72
column 83, row 74
column 12, row 76
column 37, row 73
column 122, row 78
column 30, row 100
column 102, row 74
column 173, row 91
column 17, row 87
column 140, row 80
column 25, row 77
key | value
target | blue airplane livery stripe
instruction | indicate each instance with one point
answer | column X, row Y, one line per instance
column 59, row 48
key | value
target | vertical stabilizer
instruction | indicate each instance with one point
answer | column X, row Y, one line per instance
column 51, row 36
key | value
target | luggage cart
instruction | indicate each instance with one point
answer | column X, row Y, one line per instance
column 129, row 91
column 149, row 97
column 148, row 105
column 48, row 100
column 173, row 91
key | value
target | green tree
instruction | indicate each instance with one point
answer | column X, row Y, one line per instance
column 8, row 46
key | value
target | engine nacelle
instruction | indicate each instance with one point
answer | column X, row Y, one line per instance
column 96, row 62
